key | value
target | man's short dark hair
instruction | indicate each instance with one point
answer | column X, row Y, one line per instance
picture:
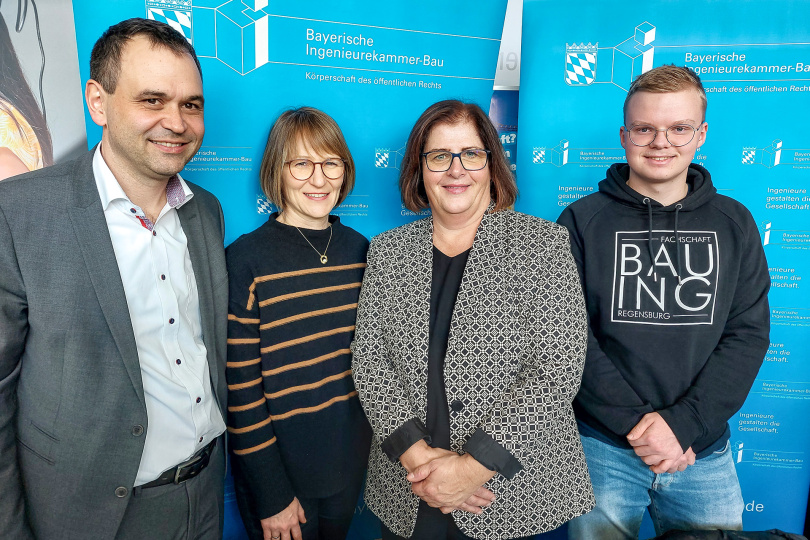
column 105, row 60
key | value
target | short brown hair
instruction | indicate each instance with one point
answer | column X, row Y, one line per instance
column 105, row 59
column 503, row 188
column 313, row 127
column 665, row 79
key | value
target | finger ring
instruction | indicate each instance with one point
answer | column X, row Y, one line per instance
column 275, row 537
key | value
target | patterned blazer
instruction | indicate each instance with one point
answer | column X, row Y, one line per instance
column 514, row 359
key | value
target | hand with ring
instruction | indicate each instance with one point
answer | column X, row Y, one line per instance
column 286, row 525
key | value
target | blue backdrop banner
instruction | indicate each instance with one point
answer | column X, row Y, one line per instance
column 754, row 59
column 373, row 66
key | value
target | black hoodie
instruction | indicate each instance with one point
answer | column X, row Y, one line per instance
column 684, row 337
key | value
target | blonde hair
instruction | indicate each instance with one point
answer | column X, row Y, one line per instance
column 665, row 79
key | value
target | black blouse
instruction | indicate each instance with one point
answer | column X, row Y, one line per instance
column 447, row 274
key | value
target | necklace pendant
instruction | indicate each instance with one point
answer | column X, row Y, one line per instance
column 323, row 257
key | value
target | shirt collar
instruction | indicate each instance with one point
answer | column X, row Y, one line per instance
column 177, row 191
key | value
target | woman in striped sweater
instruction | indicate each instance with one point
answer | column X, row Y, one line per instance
column 298, row 437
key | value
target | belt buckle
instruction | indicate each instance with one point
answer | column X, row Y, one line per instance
column 188, row 464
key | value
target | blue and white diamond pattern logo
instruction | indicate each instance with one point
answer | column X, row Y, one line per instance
column 539, row 155
column 580, row 64
column 175, row 13
column 749, row 156
column 263, row 206
column 381, row 158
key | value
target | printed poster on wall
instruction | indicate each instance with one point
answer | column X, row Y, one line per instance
column 41, row 98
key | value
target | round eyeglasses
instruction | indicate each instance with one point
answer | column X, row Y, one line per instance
column 472, row 159
column 303, row 169
column 677, row 135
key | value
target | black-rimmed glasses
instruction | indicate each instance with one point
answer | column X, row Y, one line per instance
column 677, row 135
column 473, row 159
column 303, row 169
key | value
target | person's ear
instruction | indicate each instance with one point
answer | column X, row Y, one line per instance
column 96, row 99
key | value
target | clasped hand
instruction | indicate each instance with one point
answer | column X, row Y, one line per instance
column 448, row 481
column 655, row 443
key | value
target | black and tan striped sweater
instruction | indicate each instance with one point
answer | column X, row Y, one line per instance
column 295, row 424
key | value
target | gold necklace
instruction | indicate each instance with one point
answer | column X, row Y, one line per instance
column 324, row 259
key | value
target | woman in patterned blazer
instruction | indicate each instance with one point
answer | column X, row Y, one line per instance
column 469, row 348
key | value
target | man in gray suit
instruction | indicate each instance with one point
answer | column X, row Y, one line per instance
column 113, row 299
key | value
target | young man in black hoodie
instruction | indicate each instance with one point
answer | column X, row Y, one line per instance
column 676, row 286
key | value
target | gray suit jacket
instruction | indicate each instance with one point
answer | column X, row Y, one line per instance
column 71, row 396
column 514, row 360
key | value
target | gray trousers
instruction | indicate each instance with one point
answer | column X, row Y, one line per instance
column 192, row 510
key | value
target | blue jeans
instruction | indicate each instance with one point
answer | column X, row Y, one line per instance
column 704, row 496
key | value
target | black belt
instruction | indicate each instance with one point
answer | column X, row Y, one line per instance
column 186, row 470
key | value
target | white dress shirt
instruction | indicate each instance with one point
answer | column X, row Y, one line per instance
column 164, row 308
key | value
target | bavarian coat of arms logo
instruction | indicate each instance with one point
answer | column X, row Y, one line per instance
column 580, row 64
column 381, row 157
column 175, row 13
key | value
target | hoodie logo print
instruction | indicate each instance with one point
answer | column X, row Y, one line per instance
column 677, row 287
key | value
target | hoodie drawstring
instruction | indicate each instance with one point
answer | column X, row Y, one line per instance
column 678, row 241
column 650, row 237
column 678, row 208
